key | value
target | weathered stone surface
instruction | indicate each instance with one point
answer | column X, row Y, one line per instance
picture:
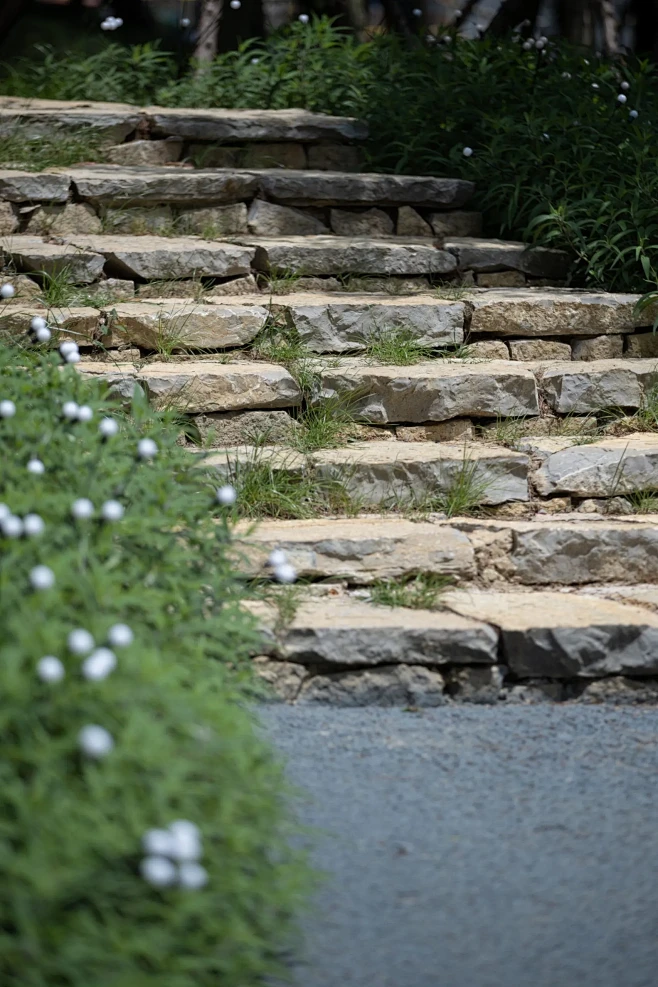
column 552, row 312
column 74, row 217
column 349, row 322
column 215, row 155
column 9, row 221
column 135, row 220
column 25, row 288
column 642, row 344
column 334, row 188
column 450, row 431
column 245, row 285
column 333, row 157
column 144, row 152
column 388, row 473
column 120, row 184
column 274, row 156
column 369, row 222
column 456, row 223
column 344, row 632
column 620, row 691
column 32, row 254
column 476, row 685
column 83, row 323
column 599, row 348
column 539, row 349
column 239, row 428
column 494, row 255
column 184, row 325
column 605, row 468
column 360, row 550
column 389, row 685
column 54, row 117
column 603, row 505
column 434, row 391
column 284, row 678
column 29, row 186
column 156, row 258
column 346, row 255
column 563, row 635
column 254, row 125
column 501, row 279
column 213, row 221
column 118, row 378
column 575, row 388
column 314, row 285
column 488, row 349
column 205, row 386
column 111, row 289
column 534, row 691
column 267, row 219
column 411, row 223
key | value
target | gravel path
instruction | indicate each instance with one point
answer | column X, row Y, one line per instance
column 479, row 846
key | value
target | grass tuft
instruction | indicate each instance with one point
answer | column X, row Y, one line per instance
column 418, row 592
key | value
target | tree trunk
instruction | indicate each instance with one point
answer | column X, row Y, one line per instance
column 610, row 23
column 208, row 43
column 512, row 13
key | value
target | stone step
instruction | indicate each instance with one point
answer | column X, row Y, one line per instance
column 558, row 551
column 609, row 467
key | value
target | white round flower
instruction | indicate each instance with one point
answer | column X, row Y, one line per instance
column 70, row 410
column 12, row 526
column 73, row 357
column 50, row 669
column 85, row 413
column 417, row 12
column 633, row 114
column 185, row 22
column 277, row 557
column 80, row 641
column 467, row 152
column 120, row 636
column 43, row 335
column 7, row 409
column 108, row 427
column 4, row 512
column 303, row 18
column 146, row 449
column 82, row 508
column 7, row 291
column 226, row 495
column 625, row 86
column 235, row 4
column 527, row 45
column 622, row 99
column 595, row 85
column 99, row 664
column 158, row 871
column 33, row 525
column 566, row 75
column 112, row 510
column 255, row 61
column 285, row 573
column 186, row 840
column 38, row 322
column 68, row 346
column 118, row 21
column 192, row 876
column 540, row 43
column 41, row 577
column 95, row 741
column 158, row 842
column 36, row 466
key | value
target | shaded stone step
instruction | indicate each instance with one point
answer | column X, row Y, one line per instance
column 480, row 255
column 29, row 186
column 123, row 185
column 55, row 117
column 554, row 312
column 323, row 188
column 325, row 254
column 605, row 468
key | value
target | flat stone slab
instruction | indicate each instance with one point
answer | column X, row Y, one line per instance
column 28, row 186
column 183, row 324
column 253, row 125
column 360, row 550
column 434, row 391
column 554, row 312
column 31, row 253
column 578, row 387
column 480, row 255
column 607, row 468
column 336, row 188
column 316, row 255
column 197, row 386
column 119, row 184
column 154, row 257
column 388, row 473
column 81, row 323
column 52, row 117
column 330, row 324
column 565, row 635
column 344, row 632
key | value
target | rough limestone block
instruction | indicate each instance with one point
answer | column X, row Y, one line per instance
column 642, row 344
column 576, row 388
column 79, row 323
column 552, row 312
column 619, row 690
column 488, row 349
column 118, row 184
column 450, row 431
column 388, row 685
column 283, row 155
column 30, row 253
column 435, row 391
column 283, row 678
column 369, row 222
column 157, row 258
column 111, row 289
column 411, row 223
column 204, row 386
column 214, row 155
column 239, row 428
column 267, row 219
column 254, row 125
column 493, row 255
column 184, row 325
column 145, row 152
column 332, row 188
column 388, row 473
column 476, row 685
column 56, row 118
column 25, row 288
column 564, row 635
column 456, row 223
column 597, row 348
column 74, row 217
column 119, row 380
column 9, row 221
column 214, row 221
column 539, row 349
column 324, row 255
column 30, row 186
column 606, row 468
column 333, row 157
column 344, row 632
column 246, row 285
column 135, row 220
column 359, row 550
column 501, row 279
column 344, row 323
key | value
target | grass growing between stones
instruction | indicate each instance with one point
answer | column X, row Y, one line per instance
column 465, row 492
column 28, row 153
column 396, row 345
column 419, row 592
column 644, row 501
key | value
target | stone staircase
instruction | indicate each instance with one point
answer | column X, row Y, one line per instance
column 494, row 466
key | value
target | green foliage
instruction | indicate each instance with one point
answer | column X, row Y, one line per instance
column 420, row 592
column 74, row 908
column 396, row 345
column 20, row 150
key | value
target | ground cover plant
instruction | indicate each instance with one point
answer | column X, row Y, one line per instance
column 144, row 835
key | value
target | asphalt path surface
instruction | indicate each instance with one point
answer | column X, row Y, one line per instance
column 478, row 846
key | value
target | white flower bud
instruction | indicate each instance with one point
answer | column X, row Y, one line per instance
column 277, row 557
column 185, row 22
column 467, row 152
column 95, row 741
column 99, row 664
column 70, row 410
column 303, row 18
column 85, row 413
column 7, row 409
column 36, row 466
column 108, row 427
column 41, row 577
column 595, row 85
column 226, row 495
column 112, row 510
column 43, row 335
column 285, row 573
column 527, row 45
column 12, row 526
column 118, row 21
column 186, row 840
column 625, row 86
column 633, row 115
column 158, row 871
column 80, row 642
column 146, row 449
column 566, row 75
column 622, row 99
column 417, row 12
column 73, row 357
column 50, row 669
column 4, row 512
column 120, row 636
column 192, row 876
column 68, row 346
column 540, row 43
column 7, row 291
column 255, row 61
column 38, row 322
column 158, row 842
column 235, row 4
column 82, row 508
column 33, row 525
